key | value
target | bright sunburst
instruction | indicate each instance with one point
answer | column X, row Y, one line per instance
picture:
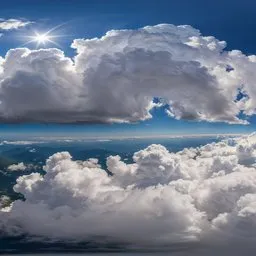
column 41, row 38
column 44, row 39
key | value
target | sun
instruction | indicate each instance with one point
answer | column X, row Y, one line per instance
column 42, row 38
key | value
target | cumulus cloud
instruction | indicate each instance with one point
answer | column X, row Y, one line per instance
column 17, row 167
column 196, row 195
column 116, row 78
column 22, row 167
column 10, row 24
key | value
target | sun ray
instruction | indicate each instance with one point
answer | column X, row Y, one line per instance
column 55, row 43
column 54, row 28
column 27, row 43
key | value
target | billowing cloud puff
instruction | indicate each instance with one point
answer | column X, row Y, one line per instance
column 116, row 78
column 17, row 167
column 13, row 24
column 195, row 195
column 21, row 166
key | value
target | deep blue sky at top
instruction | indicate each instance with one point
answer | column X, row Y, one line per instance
column 232, row 21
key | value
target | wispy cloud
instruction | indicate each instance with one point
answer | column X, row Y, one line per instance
column 9, row 24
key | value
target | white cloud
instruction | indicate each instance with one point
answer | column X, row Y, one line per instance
column 204, row 195
column 115, row 78
column 20, row 142
column 22, row 167
column 17, row 167
column 10, row 24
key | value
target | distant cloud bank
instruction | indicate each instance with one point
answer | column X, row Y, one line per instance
column 117, row 77
column 204, row 195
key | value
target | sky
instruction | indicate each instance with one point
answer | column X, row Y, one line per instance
column 232, row 21
column 130, row 68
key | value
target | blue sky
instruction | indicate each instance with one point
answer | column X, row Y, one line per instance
column 232, row 21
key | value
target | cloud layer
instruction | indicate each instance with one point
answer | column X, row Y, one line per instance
column 115, row 78
column 196, row 195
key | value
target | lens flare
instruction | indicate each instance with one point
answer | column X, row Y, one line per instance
column 44, row 39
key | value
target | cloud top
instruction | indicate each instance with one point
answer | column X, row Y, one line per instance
column 116, row 78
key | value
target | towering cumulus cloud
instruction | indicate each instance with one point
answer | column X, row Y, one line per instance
column 115, row 78
column 198, row 195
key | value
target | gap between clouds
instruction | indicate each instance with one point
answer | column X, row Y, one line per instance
column 115, row 78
